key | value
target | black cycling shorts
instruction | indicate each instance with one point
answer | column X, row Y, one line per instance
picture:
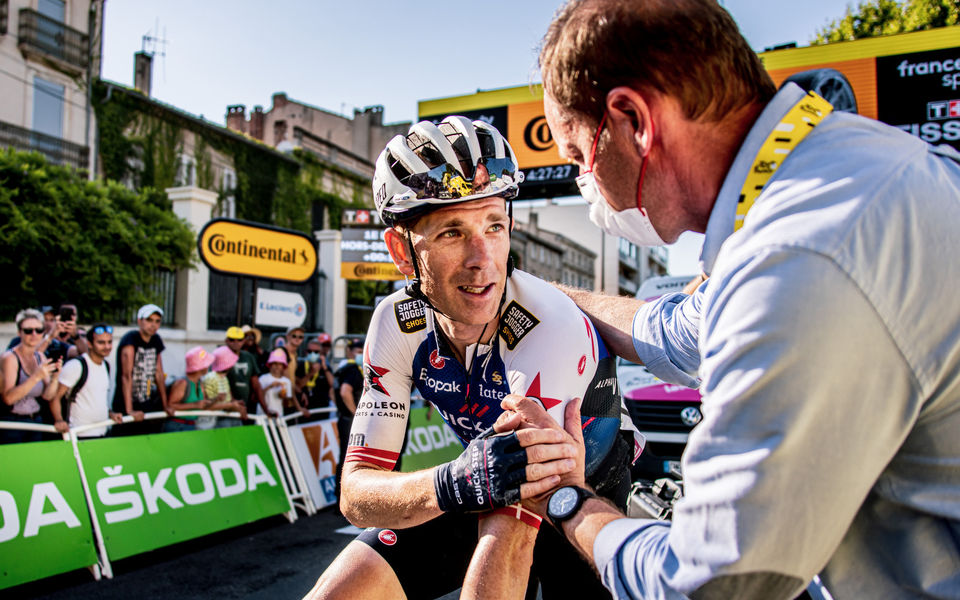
column 431, row 559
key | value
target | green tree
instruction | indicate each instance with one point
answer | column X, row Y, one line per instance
column 872, row 18
column 97, row 244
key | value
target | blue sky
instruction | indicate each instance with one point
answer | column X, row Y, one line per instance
column 345, row 55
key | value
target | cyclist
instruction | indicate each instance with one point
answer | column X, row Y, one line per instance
column 467, row 331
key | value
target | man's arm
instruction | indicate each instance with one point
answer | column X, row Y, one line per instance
column 611, row 315
column 56, row 408
column 126, row 381
column 161, row 382
column 346, row 394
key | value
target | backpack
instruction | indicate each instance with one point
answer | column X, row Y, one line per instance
column 71, row 396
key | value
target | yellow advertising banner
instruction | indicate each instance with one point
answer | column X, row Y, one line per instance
column 370, row 270
column 530, row 135
column 235, row 247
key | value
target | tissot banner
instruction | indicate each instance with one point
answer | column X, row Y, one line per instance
column 44, row 523
column 150, row 491
column 931, row 107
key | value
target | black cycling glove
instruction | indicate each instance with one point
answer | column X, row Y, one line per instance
column 486, row 476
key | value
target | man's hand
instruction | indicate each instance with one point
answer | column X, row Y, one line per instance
column 116, row 417
column 61, row 426
column 137, row 415
column 527, row 415
column 493, row 468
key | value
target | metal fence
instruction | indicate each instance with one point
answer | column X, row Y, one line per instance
column 53, row 38
column 56, row 150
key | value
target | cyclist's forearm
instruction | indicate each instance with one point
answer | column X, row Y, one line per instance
column 372, row 497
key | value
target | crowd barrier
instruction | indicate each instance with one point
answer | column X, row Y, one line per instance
column 66, row 505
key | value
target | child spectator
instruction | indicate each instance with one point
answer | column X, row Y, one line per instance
column 216, row 387
column 186, row 393
column 277, row 388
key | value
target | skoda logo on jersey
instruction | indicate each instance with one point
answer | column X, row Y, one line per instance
column 690, row 416
column 437, row 361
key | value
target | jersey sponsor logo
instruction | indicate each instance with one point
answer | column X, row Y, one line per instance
column 582, row 364
column 439, row 386
column 491, row 393
column 357, row 439
column 437, row 361
column 497, row 378
column 464, row 423
column 516, row 323
column 381, row 408
column 387, row 537
column 410, row 315
column 372, row 379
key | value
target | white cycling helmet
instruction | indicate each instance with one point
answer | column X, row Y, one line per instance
column 437, row 165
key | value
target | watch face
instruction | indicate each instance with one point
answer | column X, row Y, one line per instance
column 562, row 502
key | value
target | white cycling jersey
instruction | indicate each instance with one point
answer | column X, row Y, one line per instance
column 544, row 347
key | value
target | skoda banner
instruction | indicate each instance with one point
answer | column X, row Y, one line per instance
column 150, row 491
column 44, row 523
column 429, row 441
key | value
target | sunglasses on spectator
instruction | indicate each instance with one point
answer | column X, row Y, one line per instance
column 102, row 329
column 296, row 337
column 29, row 330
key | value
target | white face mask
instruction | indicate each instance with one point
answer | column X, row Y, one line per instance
column 631, row 224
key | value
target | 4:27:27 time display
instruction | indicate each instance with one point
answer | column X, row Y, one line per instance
column 556, row 173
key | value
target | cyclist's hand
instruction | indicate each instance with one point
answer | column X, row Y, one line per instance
column 487, row 475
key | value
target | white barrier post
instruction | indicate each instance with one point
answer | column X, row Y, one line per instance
column 262, row 421
column 309, row 506
column 295, row 494
column 97, row 534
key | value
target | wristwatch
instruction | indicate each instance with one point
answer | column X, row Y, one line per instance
column 565, row 502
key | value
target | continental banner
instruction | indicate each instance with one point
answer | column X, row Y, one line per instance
column 429, row 441
column 235, row 247
column 150, row 491
column 367, row 270
column 44, row 523
column 317, row 449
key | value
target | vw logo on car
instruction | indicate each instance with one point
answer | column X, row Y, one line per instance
column 690, row 416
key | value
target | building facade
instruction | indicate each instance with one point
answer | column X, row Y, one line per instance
column 49, row 54
column 288, row 122
column 552, row 256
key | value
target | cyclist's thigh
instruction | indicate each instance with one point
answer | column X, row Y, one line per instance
column 358, row 573
column 431, row 559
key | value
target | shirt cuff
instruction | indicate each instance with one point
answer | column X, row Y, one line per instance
column 650, row 344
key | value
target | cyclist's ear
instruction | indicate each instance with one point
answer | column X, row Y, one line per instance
column 399, row 250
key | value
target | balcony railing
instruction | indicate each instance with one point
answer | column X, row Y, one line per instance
column 56, row 150
column 52, row 38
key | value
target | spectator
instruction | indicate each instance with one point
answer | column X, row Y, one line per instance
column 28, row 376
column 244, row 376
column 140, row 380
column 216, row 387
column 314, row 374
column 69, row 333
column 347, row 390
column 291, row 345
column 82, row 395
column 187, row 393
column 52, row 345
column 277, row 387
column 251, row 343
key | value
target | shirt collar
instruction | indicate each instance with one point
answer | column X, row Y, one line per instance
column 722, row 217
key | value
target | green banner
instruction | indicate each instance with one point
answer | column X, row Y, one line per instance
column 44, row 523
column 154, row 490
column 429, row 441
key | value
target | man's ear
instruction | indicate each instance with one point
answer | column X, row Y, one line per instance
column 630, row 113
column 399, row 250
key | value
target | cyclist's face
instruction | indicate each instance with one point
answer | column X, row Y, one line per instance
column 463, row 252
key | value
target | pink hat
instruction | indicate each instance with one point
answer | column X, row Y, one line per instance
column 198, row 359
column 277, row 356
column 225, row 359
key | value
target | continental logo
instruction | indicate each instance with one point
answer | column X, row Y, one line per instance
column 370, row 270
column 516, row 323
column 239, row 248
column 410, row 315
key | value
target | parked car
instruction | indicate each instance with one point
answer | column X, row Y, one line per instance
column 664, row 412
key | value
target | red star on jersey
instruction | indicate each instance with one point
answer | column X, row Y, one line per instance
column 373, row 376
column 534, row 392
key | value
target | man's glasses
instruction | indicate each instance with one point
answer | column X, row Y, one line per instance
column 103, row 329
column 32, row 330
column 294, row 336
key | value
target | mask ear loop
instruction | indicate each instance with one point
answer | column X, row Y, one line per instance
column 596, row 140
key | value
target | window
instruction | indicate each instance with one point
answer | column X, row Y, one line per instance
column 48, row 107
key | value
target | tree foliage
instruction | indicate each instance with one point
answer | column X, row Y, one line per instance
column 872, row 18
column 96, row 244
